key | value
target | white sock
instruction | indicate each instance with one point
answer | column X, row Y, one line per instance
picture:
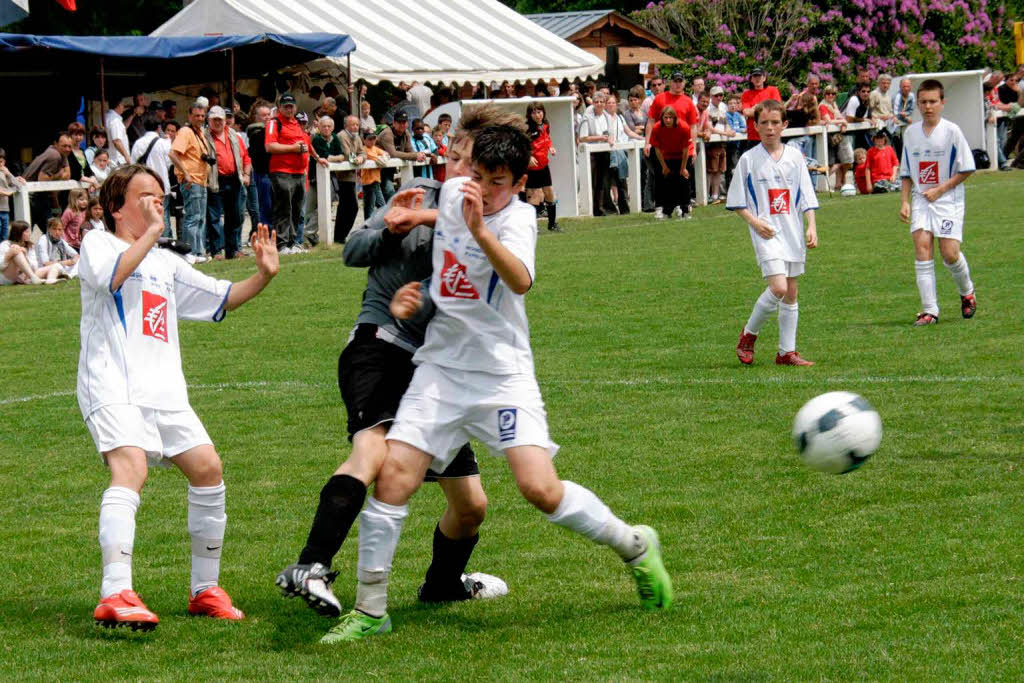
column 765, row 305
column 206, row 522
column 380, row 526
column 926, row 286
column 962, row 274
column 789, row 314
column 583, row 512
column 117, row 537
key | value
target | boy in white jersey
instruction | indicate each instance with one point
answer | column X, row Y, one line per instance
column 771, row 190
column 132, row 391
column 936, row 161
column 475, row 379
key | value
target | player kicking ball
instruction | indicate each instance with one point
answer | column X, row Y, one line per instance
column 936, row 161
column 770, row 189
column 132, row 391
column 475, row 378
column 374, row 371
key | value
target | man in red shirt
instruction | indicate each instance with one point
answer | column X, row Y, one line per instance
column 757, row 93
column 289, row 149
column 225, row 207
column 687, row 113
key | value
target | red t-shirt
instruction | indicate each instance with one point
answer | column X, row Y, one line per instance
column 225, row 157
column 881, row 162
column 860, row 174
column 541, row 146
column 287, row 132
column 671, row 141
column 682, row 103
column 751, row 98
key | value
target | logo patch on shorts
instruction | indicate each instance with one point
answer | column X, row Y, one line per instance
column 154, row 315
column 454, row 280
column 778, row 201
column 946, row 227
column 506, row 424
column 928, row 173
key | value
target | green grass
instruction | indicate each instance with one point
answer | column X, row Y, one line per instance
column 910, row 568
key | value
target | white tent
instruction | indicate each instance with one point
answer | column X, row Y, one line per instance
column 448, row 41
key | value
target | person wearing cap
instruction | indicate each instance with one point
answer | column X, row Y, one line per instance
column 686, row 114
column 289, row 148
column 395, row 140
column 758, row 92
column 224, row 205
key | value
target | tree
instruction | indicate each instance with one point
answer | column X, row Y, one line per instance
column 121, row 18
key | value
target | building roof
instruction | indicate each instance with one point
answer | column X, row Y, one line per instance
column 636, row 55
column 574, row 25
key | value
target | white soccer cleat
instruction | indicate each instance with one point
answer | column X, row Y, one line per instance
column 659, row 214
column 484, row 586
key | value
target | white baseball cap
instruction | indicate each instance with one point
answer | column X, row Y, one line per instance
column 216, row 112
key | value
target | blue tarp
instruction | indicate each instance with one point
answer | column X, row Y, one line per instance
column 146, row 47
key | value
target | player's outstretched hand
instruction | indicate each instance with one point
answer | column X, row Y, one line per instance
column 905, row 212
column 399, row 220
column 407, row 301
column 812, row 237
column 473, row 207
column 409, row 199
column 763, row 228
column 264, row 247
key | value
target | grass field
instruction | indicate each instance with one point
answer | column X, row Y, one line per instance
column 910, row 568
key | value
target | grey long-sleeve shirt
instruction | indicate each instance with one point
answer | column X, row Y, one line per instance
column 394, row 260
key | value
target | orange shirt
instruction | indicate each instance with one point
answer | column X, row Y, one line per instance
column 189, row 146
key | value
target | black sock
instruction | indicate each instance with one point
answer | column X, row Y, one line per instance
column 551, row 216
column 444, row 576
column 341, row 499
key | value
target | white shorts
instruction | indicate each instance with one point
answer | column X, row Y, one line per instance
column 161, row 433
column 443, row 408
column 777, row 266
column 923, row 218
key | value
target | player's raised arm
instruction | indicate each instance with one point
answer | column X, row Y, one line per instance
column 264, row 246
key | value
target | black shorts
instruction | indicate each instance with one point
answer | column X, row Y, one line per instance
column 538, row 178
column 373, row 375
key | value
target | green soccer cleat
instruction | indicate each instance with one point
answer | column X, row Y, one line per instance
column 355, row 625
column 652, row 581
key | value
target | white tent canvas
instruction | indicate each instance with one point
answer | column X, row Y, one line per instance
column 448, row 41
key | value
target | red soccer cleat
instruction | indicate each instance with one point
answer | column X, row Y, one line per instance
column 214, row 602
column 926, row 319
column 791, row 358
column 125, row 609
column 745, row 349
column 968, row 305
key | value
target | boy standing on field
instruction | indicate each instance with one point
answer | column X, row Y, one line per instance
column 132, row 391
column 770, row 189
column 936, row 161
column 475, row 378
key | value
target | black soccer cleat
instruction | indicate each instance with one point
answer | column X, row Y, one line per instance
column 312, row 583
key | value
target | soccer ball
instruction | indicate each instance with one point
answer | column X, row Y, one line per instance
column 848, row 190
column 837, row 432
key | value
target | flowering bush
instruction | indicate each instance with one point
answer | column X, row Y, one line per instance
column 722, row 40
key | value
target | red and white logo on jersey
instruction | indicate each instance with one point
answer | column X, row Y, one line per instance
column 154, row 315
column 928, row 173
column 778, row 201
column 454, row 280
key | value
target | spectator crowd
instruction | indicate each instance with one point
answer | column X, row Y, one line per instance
column 222, row 165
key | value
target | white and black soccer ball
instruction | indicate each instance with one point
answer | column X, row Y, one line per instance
column 848, row 190
column 837, row 432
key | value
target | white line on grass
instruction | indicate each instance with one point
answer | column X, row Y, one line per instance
column 643, row 381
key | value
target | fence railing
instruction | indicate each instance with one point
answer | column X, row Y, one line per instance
column 632, row 148
column 21, row 203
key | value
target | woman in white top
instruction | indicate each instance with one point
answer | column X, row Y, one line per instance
column 619, row 169
column 18, row 265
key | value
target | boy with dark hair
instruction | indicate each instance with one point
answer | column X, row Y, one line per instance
column 936, row 161
column 475, row 379
column 770, row 186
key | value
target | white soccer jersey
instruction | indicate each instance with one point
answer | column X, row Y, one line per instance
column 779, row 192
column 480, row 324
column 930, row 160
column 129, row 352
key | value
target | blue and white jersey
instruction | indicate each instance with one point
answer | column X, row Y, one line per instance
column 780, row 192
column 930, row 160
column 129, row 352
column 480, row 324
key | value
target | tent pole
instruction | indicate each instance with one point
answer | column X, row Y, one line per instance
column 231, row 88
column 352, row 95
column 103, row 89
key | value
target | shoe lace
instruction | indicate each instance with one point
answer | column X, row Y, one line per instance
column 644, row 584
